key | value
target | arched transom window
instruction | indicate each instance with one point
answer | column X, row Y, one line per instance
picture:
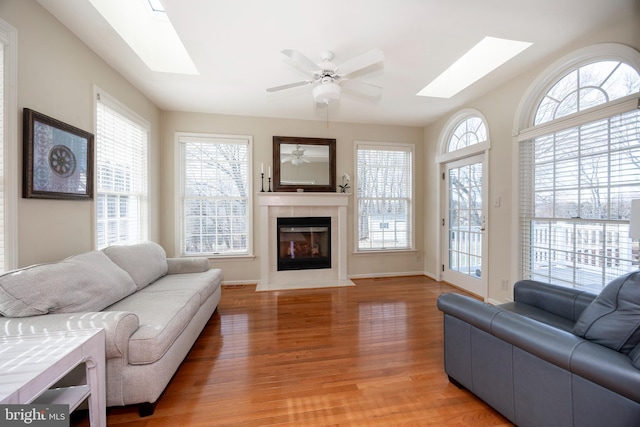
column 470, row 131
column 588, row 86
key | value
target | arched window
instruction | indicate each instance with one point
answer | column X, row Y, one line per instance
column 587, row 86
column 470, row 131
column 579, row 168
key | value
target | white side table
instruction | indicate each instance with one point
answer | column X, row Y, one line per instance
column 31, row 364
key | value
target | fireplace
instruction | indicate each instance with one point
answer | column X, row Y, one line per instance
column 303, row 243
column 274, row 206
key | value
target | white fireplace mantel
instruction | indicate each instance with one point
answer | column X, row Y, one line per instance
column 303, row 199
column 290, row 204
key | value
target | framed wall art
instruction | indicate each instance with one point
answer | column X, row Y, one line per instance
column 57, row 159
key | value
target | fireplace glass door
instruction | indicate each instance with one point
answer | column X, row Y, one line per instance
column 304, row 243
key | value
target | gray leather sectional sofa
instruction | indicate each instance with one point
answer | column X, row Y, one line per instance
column 556, row 356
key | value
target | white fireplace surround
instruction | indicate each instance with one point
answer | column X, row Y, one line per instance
column 306, row 204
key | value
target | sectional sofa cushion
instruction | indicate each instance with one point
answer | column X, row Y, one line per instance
column 613, row 318
column 145, row 262
column 204, row 284
column 85, row 282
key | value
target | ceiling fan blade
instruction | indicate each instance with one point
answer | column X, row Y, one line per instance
column 302, row 60
column 366, row 89
column 359, row 62
column 289, row 86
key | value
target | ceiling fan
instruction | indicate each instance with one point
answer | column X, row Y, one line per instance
column 297, row 157
column 328, row 77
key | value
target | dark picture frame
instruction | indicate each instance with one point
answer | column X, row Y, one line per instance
column 280, row 184
column 57, row 159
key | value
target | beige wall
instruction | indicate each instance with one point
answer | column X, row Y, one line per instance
column 499, row 108
column 262, row 130
column 56, row 76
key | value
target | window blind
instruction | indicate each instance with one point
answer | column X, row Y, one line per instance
column 2, row 158
column 216, row 210
column 121, row 175
column 576, row 187
column 384, row 196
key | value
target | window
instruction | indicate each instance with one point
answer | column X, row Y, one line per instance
column 470, row 132
column 579, row 168
column 384, row 196
column 121, row 175
column 8, row 148
column 215, row 217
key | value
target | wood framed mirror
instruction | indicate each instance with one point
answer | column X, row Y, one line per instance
column 307, row 164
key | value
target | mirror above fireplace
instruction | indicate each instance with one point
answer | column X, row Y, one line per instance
column 307, row 164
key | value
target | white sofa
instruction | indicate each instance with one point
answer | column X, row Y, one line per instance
column 152, row 308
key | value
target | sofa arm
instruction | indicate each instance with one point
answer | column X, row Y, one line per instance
column 187, row 265
column 559, row 300
column 544, row 341
column 470, row 310
column 118, row 326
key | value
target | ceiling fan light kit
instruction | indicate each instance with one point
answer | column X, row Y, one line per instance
column 325, row 93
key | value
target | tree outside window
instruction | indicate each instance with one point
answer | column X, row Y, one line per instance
column 215, row 195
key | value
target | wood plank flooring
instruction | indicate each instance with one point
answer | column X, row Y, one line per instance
column 369, row 355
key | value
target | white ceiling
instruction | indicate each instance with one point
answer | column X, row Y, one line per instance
column 236, row 44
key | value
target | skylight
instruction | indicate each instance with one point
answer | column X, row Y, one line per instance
column 156, row 6
column 482, row 59
column 144, row 26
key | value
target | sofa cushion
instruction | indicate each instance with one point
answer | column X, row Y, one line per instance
column 86, row 282
column 539, row 315
column 145, row 262
column 204, row 284
column 162, row 316
column 613, row 318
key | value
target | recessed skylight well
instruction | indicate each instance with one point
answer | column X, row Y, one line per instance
column 483, row 58
column 144, row 26
column 156, row 6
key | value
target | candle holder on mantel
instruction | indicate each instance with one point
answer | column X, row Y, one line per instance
column 262, row 182
column 269, row 185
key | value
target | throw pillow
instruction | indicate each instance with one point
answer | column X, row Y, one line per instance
column 86, row 282
column 613, row 318
column 145, row 262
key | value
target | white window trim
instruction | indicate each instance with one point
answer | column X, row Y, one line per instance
column 178, row 162
column 9, row 37
column 412, row 149
column 525, row 113
column 116, row 105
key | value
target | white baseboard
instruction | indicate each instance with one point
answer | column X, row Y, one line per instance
column 496, row 302
column 354, row 276
column 239, row 282
column 388, row 274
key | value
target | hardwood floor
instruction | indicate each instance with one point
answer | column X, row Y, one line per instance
column 369, row 355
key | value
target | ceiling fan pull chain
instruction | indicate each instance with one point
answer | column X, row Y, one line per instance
column 327, row 115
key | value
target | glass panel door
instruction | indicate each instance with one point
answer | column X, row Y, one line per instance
column 464, row 225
